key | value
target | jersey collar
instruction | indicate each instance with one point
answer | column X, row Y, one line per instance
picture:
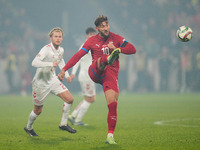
column 53, row 48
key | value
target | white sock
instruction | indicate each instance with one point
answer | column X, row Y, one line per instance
column 82, row 110
column 65, row 113
column 31, row 120
column 110, row 135
column 76, row 110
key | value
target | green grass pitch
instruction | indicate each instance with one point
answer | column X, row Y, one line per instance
column 177, row 117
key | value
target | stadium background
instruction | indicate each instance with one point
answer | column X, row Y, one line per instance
column 162, row 62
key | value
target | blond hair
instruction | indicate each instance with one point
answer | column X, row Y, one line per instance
column 56, row 29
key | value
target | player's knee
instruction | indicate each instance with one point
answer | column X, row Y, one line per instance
column 38, row 111
column 93, row 99
column 69, row 100
column 101, row 64
column 90, row 99
column 67, row 97
column 112, row 99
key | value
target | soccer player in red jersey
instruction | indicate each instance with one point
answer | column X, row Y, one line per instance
column 105, row 48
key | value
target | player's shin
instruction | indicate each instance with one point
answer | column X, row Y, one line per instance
column 32, row 118
column 65, row 113
column 112, row 117
column 102, row 62
column 82, row 110
column 76, row 110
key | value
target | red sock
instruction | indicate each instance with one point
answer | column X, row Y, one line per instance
column 104, row 58
column 112, row 117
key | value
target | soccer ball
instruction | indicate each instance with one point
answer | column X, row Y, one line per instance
column 184, row 33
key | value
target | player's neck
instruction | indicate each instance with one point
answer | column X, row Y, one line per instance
column 56, row 46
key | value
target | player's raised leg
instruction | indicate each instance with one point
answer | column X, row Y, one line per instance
column 105, row 60
column 112, row 57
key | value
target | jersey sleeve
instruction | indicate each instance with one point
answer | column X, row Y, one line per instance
column 86, row 46
column 38, row 60
column 61, row 65
column 125, row 46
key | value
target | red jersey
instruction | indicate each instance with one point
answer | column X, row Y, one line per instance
column 98, row 46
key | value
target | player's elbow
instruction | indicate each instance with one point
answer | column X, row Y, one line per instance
column 34, row 63
column 128, row 49
column 134, row 50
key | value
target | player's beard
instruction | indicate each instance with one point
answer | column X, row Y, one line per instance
column 103, row 35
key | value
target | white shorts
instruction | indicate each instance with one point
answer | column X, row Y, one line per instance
column 41, row 91
column 88, row 88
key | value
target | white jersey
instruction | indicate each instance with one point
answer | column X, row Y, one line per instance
column 84, row 63
column 45, row 73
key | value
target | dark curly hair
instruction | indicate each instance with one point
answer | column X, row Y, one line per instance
column 100, row 19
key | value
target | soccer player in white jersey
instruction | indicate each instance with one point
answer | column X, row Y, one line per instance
column 87, row 85
column 45, row 81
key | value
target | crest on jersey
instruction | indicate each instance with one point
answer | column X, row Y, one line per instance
column 104, row 46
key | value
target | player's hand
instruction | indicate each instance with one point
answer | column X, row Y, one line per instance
column 55, row 64
column 61, row 75
column 69, row 79
column 72, row 76
column 111, row 46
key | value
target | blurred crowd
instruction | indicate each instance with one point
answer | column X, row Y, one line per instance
column 162, row 62
column 17, row 49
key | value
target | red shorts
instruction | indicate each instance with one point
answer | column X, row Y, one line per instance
column 108, row 78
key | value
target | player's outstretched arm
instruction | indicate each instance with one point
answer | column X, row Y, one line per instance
column 74, row 59
column 39, row 63
column 128, row 48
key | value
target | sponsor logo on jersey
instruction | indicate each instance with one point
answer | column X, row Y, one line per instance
column 97, row 45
